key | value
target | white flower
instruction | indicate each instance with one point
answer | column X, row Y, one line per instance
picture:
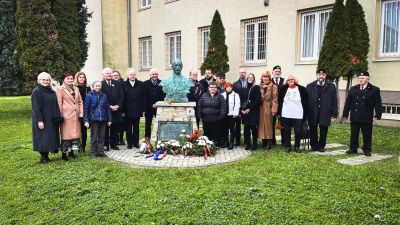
column 209, row 142
column 183, row 131
column 201, row 143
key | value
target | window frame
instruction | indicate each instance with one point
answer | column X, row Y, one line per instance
column 382, row 17
column 149, row 48
column 176, row 53
column 316, row 40
column 255, row 54
column 389, row 115
column 203, row 46
column 146, row 6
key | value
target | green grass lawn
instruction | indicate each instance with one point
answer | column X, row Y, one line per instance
column 266, row 188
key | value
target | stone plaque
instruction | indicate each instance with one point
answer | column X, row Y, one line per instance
column 168, row 130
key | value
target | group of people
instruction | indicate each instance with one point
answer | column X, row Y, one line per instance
column 113, row 106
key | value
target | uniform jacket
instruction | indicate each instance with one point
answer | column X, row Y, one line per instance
column 97, row 108
column 211, row 108
column 115, row 96
column 253, row 95
column 154, row 94
column 71, row 109
column 328, row 103
column 269, row 106
column 45, row 108
column 234, row 103
column 361, row 104
column 303, row 96
column 135, row 99
column 280, row 85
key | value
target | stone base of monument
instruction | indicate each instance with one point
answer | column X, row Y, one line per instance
column 171, row 119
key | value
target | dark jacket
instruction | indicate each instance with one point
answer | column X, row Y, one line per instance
column 237, row 87
column 154, row 94
column 195, row 92
column 280, row 85
column 211, row 109
column 253, row 95
column 115, row 96
column 96, row 108
column 361, row 104
column 303, row 96
column 327, row 106
column 135, row 99
column 204, row 84
column 45, row 108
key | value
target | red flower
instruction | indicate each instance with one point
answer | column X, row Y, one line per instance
column 279, row 127
column 197, row 131
column 194, row 137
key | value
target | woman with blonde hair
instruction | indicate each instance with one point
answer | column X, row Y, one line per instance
column 268, row 109
column 80, row 81
column 292, row 110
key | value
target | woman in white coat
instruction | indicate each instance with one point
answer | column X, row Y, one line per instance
column 233, row 105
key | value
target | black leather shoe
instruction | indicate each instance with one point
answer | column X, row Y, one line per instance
column 230, row 146
column 106, row 149
column 254, row 147
column 248, row 147
column 136, row 146
column 121, row 143
column 297, row 149
column 44, row 160
column 101, row 155
column 351, row 151
column 321, row 150
column 129, row 147
column 367, row 153
column 115, row 148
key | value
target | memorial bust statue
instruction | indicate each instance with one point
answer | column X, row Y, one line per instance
column 176, row 87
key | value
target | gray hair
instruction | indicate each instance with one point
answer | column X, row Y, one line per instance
column 152, row 70
column 194, row 71
column 129, row 70
column 43, row 75
column 95, row 82
column 107, row 69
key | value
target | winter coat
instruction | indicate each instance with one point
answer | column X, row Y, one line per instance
column 211, row 108
column 234, row 103
column 269, row 106
column 195, row 92
column 361, row 104
column 45, row 109
column 71, row 108
column 97, row 108
column 83, row 90
column 115, row 96
column 303, row 96
column 252, row 94
column 135, row 99
column 154, row 94
column 326, row 107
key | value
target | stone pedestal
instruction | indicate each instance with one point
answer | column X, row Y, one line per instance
column 171, row 119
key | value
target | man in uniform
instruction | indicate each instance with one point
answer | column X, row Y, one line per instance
column 322, row 106
column 278, row 81
column 361, row 101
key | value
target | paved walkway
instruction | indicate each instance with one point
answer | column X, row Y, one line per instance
column 134, row 158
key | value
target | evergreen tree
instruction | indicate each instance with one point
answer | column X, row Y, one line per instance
column 38, row 48
column 359, row 40
column 334, row 55
column 83, row 20
column 217, row 55
column 10, row 74
column 66, row 15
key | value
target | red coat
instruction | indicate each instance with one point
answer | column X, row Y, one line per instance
column 71, row 109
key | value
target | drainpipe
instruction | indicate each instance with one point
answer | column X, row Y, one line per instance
column 128, row 5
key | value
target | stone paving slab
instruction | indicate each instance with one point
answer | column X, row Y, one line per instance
column 335, row 152
column 134, row 158
column 358, row 160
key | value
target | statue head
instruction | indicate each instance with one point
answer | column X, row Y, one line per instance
column 177, row 66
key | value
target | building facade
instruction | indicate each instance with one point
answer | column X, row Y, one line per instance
column 147, row 34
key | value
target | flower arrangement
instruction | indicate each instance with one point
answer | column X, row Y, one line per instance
column 186, row 145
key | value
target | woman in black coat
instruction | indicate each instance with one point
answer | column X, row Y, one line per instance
column 46, row 118
column 211, row 109
column 250, row 110
column 292, row 109
column 81, row 83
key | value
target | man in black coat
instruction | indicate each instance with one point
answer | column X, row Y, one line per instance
column 238, row 86
column 115, row 96
column 278, row 81
column 134, row 108
column 361, row 101
column 322, row 106
column 154, row 94
column 195, row 92
column 209, row 77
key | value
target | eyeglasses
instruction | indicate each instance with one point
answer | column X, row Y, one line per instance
column 45, row 79
column 212, row 87
column 290, row 79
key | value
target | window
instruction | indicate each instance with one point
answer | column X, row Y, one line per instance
column 313, row 26
column 390, row 24
column 145, row 54
column 204, row 34
column 145, row 4
column 255, row 40
column 169, row 1
column 391, row 112
column 173, row 47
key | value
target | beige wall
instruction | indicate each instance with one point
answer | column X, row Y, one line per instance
column 188, row 15
column 115, row 34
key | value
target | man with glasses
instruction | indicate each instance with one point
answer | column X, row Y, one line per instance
column 154, row 94
column 361, row 102
column 278, row 81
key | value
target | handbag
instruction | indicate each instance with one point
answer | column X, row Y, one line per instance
column 244, row 104
column 305, row 131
